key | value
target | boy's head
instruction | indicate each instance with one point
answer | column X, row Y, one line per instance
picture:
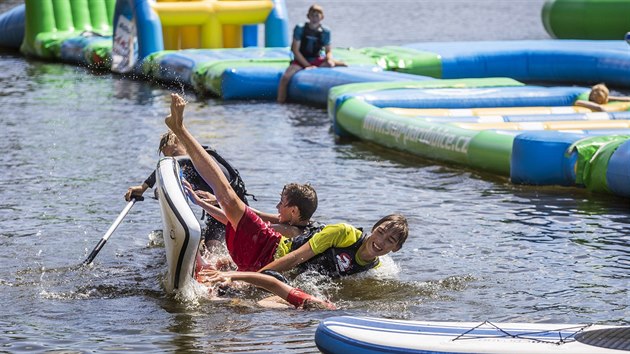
column 302, row 196
column 394, row 225
column 315, row 9
column 170, row 146
column 599, row 94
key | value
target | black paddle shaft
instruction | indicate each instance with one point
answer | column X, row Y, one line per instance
column 111, row 230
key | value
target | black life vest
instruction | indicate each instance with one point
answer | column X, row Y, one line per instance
column 308, row 232
column 234, row 177
column 338, row 261
column 197, row 182
column 311, row 42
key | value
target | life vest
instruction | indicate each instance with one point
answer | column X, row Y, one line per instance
column 311, row 42
column 192, row 176
column 308, row 232
column 235, row 178
column 338, row 261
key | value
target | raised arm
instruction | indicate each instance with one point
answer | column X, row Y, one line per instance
column 204, row 164
column 291, row 260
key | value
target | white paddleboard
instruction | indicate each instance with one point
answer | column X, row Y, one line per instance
column 348, row 334
column 181, row 228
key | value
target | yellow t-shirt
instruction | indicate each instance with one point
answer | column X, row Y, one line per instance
column 336, row 235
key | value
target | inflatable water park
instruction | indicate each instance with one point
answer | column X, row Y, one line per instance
column 471, row 104
column 502, row 107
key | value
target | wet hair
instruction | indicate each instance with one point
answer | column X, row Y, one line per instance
column 598, row 88
column 316, row 8
column 396, row 224
column 168, row 138
column 303, row 196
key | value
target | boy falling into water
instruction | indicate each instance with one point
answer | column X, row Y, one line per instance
column 338, row 250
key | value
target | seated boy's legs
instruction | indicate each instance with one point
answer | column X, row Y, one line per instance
column 253, row 244
column 285, row 79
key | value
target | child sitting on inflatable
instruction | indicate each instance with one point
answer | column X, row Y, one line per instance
column 599, row 98
column 340, row 249
column 308, row 41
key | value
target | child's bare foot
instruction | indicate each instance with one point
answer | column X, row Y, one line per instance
column 175, row 120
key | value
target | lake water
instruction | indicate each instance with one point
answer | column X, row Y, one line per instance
column 480, row 248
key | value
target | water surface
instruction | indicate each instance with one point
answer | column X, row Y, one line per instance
column 480, row 248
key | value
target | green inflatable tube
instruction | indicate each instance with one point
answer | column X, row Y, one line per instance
column 491, row 151
column 592, row 164
column 338, row 91
column 406, row 60
column 49, row 22
column 435, row 141
column 39, row 18
column 586, row 19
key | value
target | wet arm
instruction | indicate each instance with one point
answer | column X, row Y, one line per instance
column 264, row 281
column 205, row 165
column 291, row 260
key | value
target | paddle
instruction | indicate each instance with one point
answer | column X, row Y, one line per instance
column 111, row 230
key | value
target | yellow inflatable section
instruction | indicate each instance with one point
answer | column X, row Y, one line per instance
column 208, row 23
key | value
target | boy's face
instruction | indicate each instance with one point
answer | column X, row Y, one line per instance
column 315, row 16
column 381, row 242
column 174, row 149
column 599, row 95
column 286, row 214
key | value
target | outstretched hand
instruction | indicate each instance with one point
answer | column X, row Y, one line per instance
column 200, row 195
column 175, row 120
column 213, row 276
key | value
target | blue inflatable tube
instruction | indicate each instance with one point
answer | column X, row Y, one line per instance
column 277, row 26
column 541, row 158
column 251, row 83
column 618, row 174
column 12, row 25
column 535, row 60
column 520, row 96
column 178, row 66
column 307, row 86
column 73, row 50
column 312, row 86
